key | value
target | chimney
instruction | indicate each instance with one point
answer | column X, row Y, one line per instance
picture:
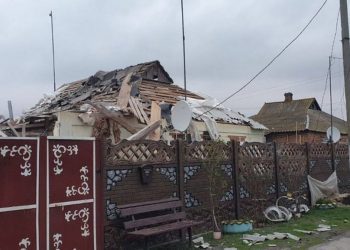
column 288, row 97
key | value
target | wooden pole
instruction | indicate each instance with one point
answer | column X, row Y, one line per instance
column 346, row 58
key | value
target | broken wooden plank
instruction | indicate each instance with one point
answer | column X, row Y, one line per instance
column 114, row 115
column 143, row 133
column 124, row 93
column 24, row 129
column 3, row 134
column 13, row 129
column 135, row 109
column 155, row 116
column 140, row 106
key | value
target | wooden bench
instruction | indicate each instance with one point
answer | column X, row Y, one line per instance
column 146, row 219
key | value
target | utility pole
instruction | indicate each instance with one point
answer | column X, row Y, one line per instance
column 346, row 58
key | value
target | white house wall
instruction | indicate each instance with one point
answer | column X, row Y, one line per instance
column 226, row 130
column 69, row 124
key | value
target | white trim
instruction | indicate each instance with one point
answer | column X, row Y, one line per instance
column 20, row 138
column 37, row 192
column 69, row 203
column 70, row 138
column 17, row 208
column 94, row 191
column 47, row 197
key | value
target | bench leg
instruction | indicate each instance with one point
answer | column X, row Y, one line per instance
column 145, row 246
column 189, row 230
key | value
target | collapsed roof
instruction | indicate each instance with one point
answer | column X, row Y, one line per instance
column 150, row 82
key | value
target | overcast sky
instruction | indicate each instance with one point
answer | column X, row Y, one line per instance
column 227, row 42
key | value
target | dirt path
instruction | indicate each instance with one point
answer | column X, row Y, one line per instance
column 341, row 242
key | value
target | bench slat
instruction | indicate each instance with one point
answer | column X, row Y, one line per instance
column 164, row 228
column 149, row 208
column 147, row 203
column 154, row 220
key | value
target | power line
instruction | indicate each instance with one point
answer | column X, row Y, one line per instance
column 328, row 70
column 273, row 59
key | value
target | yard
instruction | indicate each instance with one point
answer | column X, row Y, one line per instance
column 337, row 218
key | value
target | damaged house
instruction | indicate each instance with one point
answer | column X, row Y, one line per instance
column 130, row 103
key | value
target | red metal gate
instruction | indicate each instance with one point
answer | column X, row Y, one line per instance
column 49, row 196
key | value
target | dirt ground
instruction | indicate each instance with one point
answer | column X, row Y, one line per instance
column 341, row 242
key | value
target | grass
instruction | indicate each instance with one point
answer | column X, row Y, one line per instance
column 337, row 218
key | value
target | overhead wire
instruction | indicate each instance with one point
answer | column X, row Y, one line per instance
column 328, row 71
column 270, row 62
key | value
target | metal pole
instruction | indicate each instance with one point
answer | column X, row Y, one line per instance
column 183, row 48
column 330, row 97
column 53, row 53
column 346, row 58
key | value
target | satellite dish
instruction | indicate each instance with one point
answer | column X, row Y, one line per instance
column 181, row 115
column 336, row 134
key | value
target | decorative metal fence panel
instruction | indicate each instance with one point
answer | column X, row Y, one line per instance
column 19, row 198
column 49, row 194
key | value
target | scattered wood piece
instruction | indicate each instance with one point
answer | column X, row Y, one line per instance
column 3, row 134
column 155, row 116
column 139, row 105
column 293, row 237
column 111, row 131
column 114, row 115
column 143, row 133
column 13, row 129
column 135, row 109
column 24, row 129
column 124, row 93
column 303, row 231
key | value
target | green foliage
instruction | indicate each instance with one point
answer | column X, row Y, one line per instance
column 310, row 221
column 216, row 179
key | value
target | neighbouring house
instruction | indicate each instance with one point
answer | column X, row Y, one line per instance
column 298, row 121
column 130, row 103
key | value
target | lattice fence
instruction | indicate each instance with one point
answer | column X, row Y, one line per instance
column 255, row 173
column 256, row 178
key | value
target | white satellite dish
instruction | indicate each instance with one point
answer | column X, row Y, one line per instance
column 336, row 134
column 181, row 115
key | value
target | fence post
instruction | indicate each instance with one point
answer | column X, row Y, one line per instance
column 307, row 172
column 277, row 181
column 235, row 146
column 180, row 164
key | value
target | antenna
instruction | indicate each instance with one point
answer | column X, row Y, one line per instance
column 53, row 53
column 183, row 47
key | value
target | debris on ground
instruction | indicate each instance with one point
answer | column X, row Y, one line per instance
column 304, row 231
column 323, row 228
column 255, row 239
column 199, row 243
